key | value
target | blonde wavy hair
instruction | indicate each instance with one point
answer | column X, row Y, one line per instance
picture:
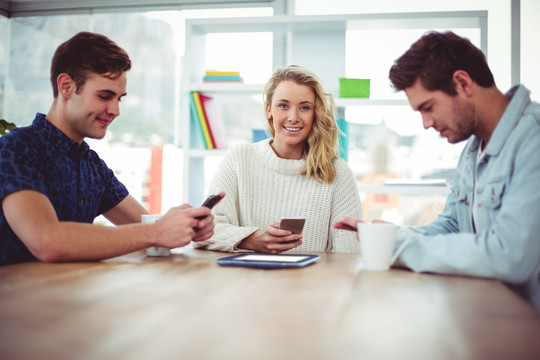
column 321, row 147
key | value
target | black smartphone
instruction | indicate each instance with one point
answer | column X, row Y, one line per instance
column 210, row 202
column 293, row 224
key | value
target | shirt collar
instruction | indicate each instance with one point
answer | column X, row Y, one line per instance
column 520, row 99
column 60, row 140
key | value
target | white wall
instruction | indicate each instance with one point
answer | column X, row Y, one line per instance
column 499, row 46
column 530, row 50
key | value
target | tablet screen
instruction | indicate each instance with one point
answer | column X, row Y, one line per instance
column 277, row 258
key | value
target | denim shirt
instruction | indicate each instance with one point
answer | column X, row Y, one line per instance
column 76, row 181
column 505, row 241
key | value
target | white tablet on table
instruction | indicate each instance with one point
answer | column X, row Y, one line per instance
column 269, row 260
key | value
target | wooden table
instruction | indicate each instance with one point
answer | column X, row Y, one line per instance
column 187, row 307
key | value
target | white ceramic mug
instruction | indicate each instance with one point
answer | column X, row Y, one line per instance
column 377, row 242
column 154, row 250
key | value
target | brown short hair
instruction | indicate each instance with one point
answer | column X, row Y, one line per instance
column 434, row 58
column 87, row 53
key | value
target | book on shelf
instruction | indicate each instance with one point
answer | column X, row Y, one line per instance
column 222, row 73
column 201, row 120
column 232, row 78
column 222, row 76
column 343, row 138
column 214, row 121
column 195, row 130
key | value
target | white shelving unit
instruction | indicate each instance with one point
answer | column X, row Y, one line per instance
column 316, row 42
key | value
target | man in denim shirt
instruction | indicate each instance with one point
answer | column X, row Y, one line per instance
column 490, row 226
column 52, row 186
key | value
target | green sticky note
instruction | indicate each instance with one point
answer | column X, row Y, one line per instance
column 353, row 88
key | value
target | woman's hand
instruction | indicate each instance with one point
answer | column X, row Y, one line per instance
column 271, row 239
column 347, row 223
column 351, row 224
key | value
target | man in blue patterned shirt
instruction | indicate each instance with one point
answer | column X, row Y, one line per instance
column 53, row 186
column 490, row 224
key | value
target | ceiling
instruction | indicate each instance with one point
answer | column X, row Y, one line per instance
column 17, row 8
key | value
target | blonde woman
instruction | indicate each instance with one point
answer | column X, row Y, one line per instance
column 294, row 173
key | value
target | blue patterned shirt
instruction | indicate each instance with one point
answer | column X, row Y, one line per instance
column 77, row 182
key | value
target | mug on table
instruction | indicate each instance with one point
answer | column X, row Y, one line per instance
column 154, row 250
column 377, row 242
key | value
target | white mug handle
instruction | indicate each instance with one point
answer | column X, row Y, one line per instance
column 402, row 247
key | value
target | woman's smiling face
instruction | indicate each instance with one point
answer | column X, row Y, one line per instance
column 292, row 110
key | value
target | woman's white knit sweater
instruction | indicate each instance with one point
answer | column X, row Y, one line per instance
column 261, row 188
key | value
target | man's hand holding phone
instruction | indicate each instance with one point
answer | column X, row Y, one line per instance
column 210, row 202
column 205, row 225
